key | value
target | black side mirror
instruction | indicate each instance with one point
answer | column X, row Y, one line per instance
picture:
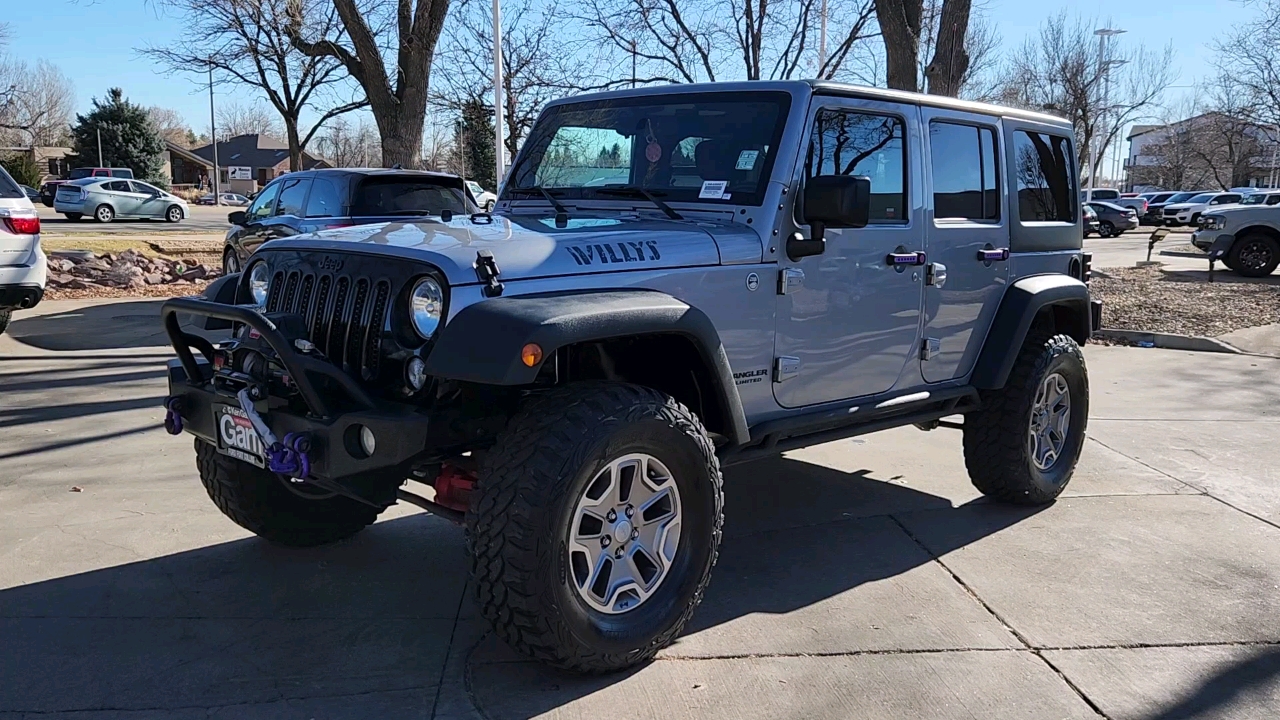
column 838, row 201
column 237, row 218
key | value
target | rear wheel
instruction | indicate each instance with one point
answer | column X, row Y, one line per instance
column 1106, row 229
column 595, row 525
column 104, row 214
column 73, row 217
column 258, row 501
column 1254, row 255
column 1022, row 445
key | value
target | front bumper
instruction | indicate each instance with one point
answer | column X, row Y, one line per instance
column 333, row 418
column 1204, row 239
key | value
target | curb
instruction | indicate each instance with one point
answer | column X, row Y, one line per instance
column 1169, row 341
column 1186, row 254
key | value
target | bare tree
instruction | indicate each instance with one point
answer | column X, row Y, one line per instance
column 236, row 119
column 978, row 80
column 1250, row 57
column 705, row 40
column 1060, row 69
column 171, row 125
column 245, row 42
column 947, row 69
column 390, row 60
column 900, row 26
column 344, row 144
column 438, row 153
column 36, row 103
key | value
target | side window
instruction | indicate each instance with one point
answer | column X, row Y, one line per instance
column 293, row 192
column 854, row 143
column 263, row 204
column 1273, row 199
column 117, row 186
column 325, row 200
column 1106, row 195
column 1042, row 171
column 145, row 189
column 964, row 172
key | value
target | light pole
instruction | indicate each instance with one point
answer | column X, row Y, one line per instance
column 822, row 40
column 497, row 96
column 1104, row 74
column 213, row 137
column 99, row 129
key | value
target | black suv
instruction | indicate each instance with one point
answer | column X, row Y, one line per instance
column 312, row 200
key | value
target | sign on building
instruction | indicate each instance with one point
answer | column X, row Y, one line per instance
column 240, row 173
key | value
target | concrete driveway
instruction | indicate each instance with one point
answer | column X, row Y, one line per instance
column 864, row 578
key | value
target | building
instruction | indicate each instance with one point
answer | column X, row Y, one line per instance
column 1209, row 151
column 184, row 168
column 54, row 162
column 249, row 162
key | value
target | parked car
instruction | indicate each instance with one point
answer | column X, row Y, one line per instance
column 785, row 264
column 1188, row 212
column 311, row 200
column 1260, row 197
column 22, row 263
column 1091, row 226
column 1155, row 203
column 1114, row 197
column 108, row 199
column 482, row 198
column 50, row 188
column 1246, row 236
column 1114, row 220
column 32, row 194
column 228, row 199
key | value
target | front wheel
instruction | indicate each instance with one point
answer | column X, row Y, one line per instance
column 1022, row 445
column 258, row 501
column 104, row 214
column 173, row 214
column 488, row 207
column 230, row 262
column 1253, row 255
column 595, row 525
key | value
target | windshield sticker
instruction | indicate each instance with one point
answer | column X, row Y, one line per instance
column 747, row 160
column 614, row 252
column 713, row 189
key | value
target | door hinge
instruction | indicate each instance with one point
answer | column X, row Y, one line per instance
column 930, row 348
column 785, row 368
column 789, row 279
column 935, row 274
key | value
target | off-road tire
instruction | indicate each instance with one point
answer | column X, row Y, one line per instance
column 73, row 217
column 258, row 501
column 5, row 317
column 520, row 514
column 1234, row 261
column 995, row 436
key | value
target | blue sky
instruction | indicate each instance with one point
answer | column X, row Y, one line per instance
column 95, row 42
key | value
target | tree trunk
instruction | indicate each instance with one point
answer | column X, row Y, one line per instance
column 900, row 26
column 400, row 126
column 945, row 72
column 295, row 143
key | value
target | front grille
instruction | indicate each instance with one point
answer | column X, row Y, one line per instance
column 345, row 315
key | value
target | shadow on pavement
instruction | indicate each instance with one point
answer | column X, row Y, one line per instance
column 1225, row 689
column 109, row 326
column 244, row 622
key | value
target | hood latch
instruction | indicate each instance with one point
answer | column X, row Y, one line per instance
column 487, row 271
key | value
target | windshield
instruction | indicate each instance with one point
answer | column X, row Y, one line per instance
column 406, row 196
column 1181, row 197
column 716, row 147
column 79, row 173
column 1202, row 198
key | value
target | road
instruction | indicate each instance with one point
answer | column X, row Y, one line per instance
column 1131, row 247
column 203, row 219
column 863, row 578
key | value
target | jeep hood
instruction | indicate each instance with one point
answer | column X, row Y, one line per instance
column 531, row 246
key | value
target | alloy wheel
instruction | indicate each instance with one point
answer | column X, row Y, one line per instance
column 1050, row 421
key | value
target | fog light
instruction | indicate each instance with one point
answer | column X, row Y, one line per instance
column 531, row 354
column 416, row 373
column 367, row 441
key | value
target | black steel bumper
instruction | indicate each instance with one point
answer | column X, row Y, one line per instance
column 333, row 420
column 20, row 297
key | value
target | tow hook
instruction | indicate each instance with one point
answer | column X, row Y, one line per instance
column 172, row 416
column 286, row 457
column 453, row 487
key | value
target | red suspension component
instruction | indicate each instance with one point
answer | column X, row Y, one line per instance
column 453, row 487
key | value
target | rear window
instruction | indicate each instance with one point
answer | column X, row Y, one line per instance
column 9, row 189
column 1042, row 169
column 123, row 173
column 405, row 196
column 80, row 173
column 1106, row 195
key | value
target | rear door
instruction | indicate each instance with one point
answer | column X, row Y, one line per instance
column 126, row 202
column 966, row 220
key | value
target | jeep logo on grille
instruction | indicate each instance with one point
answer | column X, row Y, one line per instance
column 330, row 263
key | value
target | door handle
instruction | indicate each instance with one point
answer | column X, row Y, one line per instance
column 993, row 255
column 901, row 259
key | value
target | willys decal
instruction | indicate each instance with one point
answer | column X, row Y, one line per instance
column 614, row 252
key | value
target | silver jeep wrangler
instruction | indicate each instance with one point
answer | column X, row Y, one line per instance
column 673, row 280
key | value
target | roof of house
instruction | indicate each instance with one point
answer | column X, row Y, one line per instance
column 185, row 154
column 256, row 151
column 1137, row 130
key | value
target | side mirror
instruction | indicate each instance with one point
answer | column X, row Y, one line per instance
column 237, row 218
column 838, row 201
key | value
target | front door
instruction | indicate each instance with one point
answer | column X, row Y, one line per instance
column 968, row 239
column 849, row 319
column 150, row 203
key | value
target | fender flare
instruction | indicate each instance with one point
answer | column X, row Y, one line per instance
column 1021, row 303
column 482, row 343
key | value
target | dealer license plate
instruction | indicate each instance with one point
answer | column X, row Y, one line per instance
column 236, row 436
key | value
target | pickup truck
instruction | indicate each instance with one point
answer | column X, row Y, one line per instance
column 1113, row 196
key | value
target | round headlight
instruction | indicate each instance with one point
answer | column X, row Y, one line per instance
column 259, row 282
column 425, row 306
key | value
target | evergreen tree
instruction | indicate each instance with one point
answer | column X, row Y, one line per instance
column 476, row 129
column 129, row 139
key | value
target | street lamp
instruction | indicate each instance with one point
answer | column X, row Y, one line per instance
column 1104, row 70
column 497, row 96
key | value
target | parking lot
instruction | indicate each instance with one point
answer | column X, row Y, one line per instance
column 862, row 578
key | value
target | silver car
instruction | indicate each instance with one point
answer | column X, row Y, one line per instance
column 106, row 199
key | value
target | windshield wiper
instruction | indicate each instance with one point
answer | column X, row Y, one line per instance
column 636, row 190
column 561, row 210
